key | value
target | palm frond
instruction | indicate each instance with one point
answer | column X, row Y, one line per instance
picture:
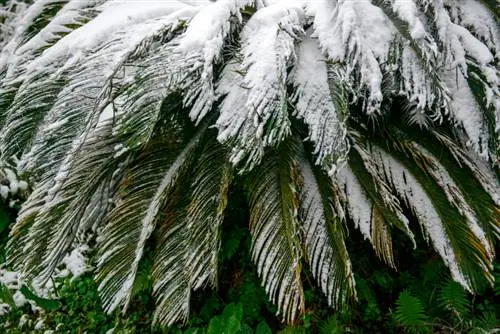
column 267, row 49
column 316, row 104
column 274, row 225
column 189, row 234
column 324, row 236
column 129, row 225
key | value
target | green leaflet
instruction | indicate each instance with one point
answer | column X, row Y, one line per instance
column 46, row 304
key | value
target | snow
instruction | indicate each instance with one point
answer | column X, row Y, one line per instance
column 39, row 325
column 4, row 309
column 23, row 320
column 19, row 299
column 115, row 15
column 10, row 279
column 346, row 32
column 76, row 261
column 268, row 41
column 204, row 37
column 4, row 191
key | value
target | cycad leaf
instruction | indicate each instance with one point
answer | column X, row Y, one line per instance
column 141, row 196
column 315, row 104
column 274, row 225
column 50, row 237
column 421, row 203
column 324, row 236
column 267, row 49
column 189, row 235
column 468, row 240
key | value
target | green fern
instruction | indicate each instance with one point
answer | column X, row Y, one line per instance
column 410, row 313
column 453, row 297
column 332, row 326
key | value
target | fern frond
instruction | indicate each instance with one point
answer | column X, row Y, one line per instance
column 410, row 313
column 453, row 298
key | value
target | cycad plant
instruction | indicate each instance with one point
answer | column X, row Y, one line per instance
column 132, row 119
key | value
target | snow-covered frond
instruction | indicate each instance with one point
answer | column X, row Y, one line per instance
column 187, row 257
column 129, row 225
column 274, row 226
column 57, row 210
column 357, row 204
column 25, row 45
column 86, row 73
column 365, row 215
column 268, row 48
column 455, row 196
column 482, row 173
column 324, row 237
column 465, row 110
column 31, row 21
column 358, row 34
column 467, row 211
column 388, row 204
column 367, row 210
column 204, row 40
column 464, row 47
column 39, row 30
column 407, row 187
column 10, row 16
column 315, row 104
column 479, row 20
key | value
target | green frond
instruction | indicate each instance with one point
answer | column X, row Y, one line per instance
column 140, row 197
column 68, row 198
column 385, row 211
column 323, row 234
column 473, row 251
column 188, row 236
column 453, row 298
column 274, row 225
column 410, row 313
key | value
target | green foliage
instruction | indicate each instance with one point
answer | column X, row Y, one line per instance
column 453, row 297
column 44, row 303
column 229, row 322
column 410, row 313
